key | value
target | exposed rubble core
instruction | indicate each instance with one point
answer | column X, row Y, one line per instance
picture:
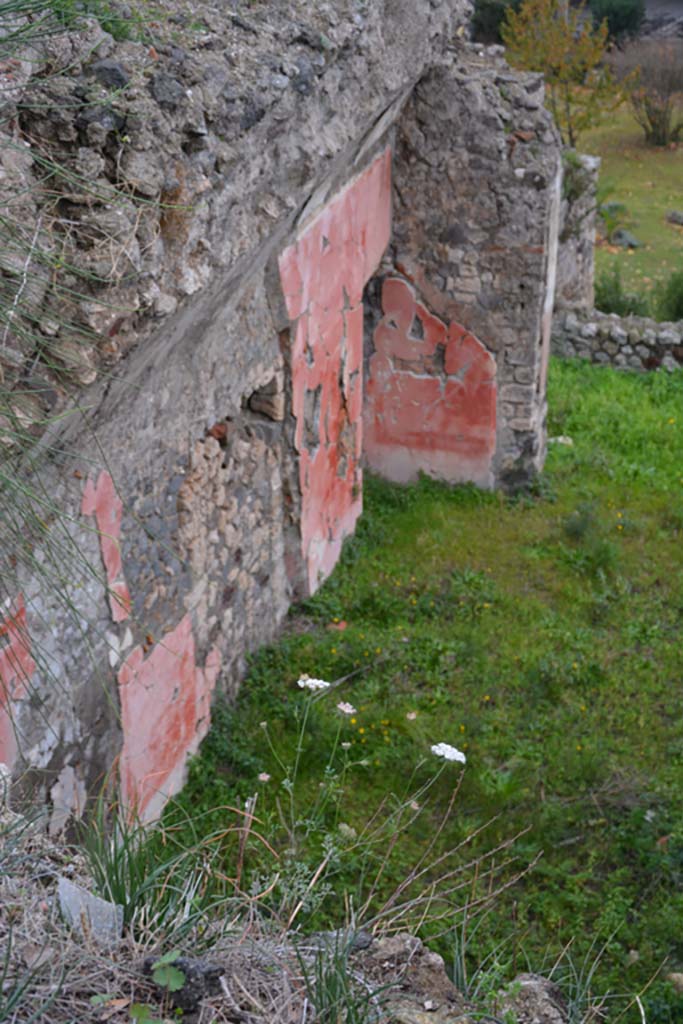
column 198, row 386
column 578, row 214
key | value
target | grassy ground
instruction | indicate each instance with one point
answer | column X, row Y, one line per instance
column 649, row 182
column 543, row 637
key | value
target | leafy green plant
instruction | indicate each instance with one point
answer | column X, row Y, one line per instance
column 612, row 297
column 573, row 176
column 142, row 1013
column 165, row 973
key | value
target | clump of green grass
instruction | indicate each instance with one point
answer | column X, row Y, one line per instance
column 612, row 297
column 543, row 638
column 671, row 299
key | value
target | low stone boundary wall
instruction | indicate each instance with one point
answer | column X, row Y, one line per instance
column 630, row 343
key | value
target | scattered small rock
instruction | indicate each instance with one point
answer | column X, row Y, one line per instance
column 533, row 1000
column 675, row 217
column 167, row 91
column 625, row 239
column 110, row 74
column 676, row 979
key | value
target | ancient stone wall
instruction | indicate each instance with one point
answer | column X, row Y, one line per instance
column 631, row 342
column 482, row 259
column 578, row 211
column 201, row 463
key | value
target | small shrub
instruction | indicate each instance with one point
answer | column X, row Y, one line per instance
column 612, row 297
column 670, row 305
column 612, row 213
column 624, row 17
column 652, row 73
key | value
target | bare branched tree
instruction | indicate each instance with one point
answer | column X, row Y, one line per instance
column 653, row 72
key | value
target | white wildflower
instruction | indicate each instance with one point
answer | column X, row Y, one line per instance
column 448, row 752
column 346, row 708
column 411, row 716
column 347, row 831
column 306, row 683
column 264, row 777
column 346, row 746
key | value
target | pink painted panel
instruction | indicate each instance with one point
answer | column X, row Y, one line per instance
column 430, row 395
column 165, row 702
column 323, row 275
column 16, row 668
column 102, row 501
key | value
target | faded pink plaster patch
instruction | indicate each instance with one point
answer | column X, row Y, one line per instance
column 430, row 395
column 323, row 275
column 102, row 501
column 165, row 714
column 16, row 668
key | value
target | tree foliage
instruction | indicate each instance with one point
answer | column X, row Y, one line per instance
column 624, row 17
column 488, row 17
column 557, row 40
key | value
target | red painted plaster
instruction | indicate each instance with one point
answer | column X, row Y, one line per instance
column 323, row 275
column 102, row 501
column 165, row 714
column 16, row 668
column 430, row 395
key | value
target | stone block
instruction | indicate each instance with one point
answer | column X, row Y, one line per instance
column 89, row 915
column 516, row 392
column 668, row 337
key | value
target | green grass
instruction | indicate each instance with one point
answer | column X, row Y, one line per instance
column 543, row 636
column 649, row 181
